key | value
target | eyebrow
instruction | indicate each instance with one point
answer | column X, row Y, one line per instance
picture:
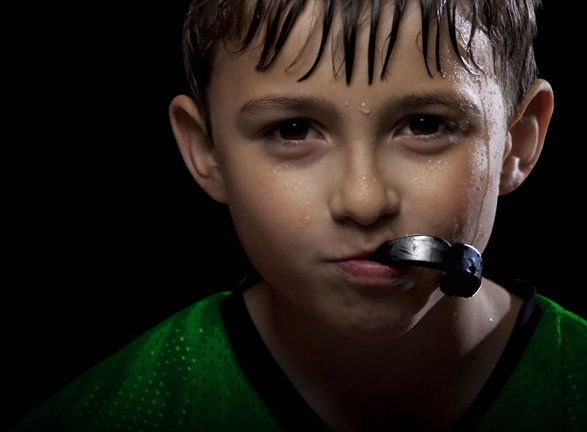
column 411, row 101
column 275, row 102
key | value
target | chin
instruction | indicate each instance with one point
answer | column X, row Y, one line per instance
column 384, row 322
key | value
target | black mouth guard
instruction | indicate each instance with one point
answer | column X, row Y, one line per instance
column 462, row 264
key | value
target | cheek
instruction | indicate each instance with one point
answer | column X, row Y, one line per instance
column 457, row 194
column 271, row 207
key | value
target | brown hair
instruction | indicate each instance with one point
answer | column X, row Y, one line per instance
column 509, row 24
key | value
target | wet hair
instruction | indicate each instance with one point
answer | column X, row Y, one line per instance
column 510, row 26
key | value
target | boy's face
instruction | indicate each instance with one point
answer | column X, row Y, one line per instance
column 408, row 155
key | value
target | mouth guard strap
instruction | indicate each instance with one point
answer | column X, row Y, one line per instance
column 462, row 264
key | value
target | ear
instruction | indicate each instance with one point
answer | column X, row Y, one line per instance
column 196, row 147
column 526, row 136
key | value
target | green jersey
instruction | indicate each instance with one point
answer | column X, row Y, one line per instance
column 206, row 368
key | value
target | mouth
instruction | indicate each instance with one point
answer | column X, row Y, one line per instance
column 388, row 263
column 360, row 269
column 460, row 263
column 370, row 273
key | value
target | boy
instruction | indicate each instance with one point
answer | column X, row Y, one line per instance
column 421, row 138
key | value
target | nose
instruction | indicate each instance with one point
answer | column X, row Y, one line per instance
column 361, row 193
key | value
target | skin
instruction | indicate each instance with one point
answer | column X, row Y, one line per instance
column 358, row 176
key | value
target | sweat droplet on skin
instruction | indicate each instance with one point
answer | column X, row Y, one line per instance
column 364, row 181
column 306, row 214
column 365, row 108
column 298, row 186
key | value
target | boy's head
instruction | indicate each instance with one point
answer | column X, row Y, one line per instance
column 324, row 169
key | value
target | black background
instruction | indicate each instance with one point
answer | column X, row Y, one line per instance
column 109, row 234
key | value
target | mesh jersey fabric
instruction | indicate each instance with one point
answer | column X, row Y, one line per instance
column 206, row 369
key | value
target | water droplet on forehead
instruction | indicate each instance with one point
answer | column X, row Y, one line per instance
column 365, row 108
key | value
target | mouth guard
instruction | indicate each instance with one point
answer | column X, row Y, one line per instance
column 461, row 263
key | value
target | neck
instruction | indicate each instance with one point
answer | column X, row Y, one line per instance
column 444, row 349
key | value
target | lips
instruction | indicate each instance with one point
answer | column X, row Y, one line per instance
column 369, row 273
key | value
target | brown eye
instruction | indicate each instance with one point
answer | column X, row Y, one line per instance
column 425, row 125
column 292, row 134
column 293, row 130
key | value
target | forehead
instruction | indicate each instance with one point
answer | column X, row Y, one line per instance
column 406, row 67
column 314, row 21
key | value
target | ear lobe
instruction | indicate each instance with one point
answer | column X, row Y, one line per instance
column 526, row 136
column 196, row 147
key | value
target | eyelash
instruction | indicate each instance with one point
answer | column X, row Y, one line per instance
column 446, row 127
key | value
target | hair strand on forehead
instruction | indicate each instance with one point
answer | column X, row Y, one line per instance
column 451, row 17
column 439, row 13
column 399, row 9
column 426, row 8
column 375, row 9
column 328, row 12
column 474, row 24
column 286, row 28
column 270, row 38
column 351, row 7
column 259, row 12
